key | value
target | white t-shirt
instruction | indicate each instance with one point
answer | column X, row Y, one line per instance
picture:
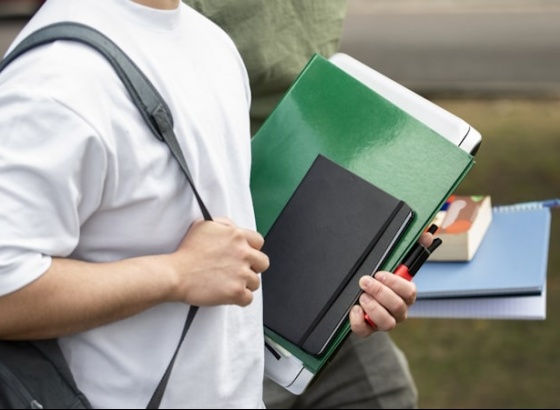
column 81, row 176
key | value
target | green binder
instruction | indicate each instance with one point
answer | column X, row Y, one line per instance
column 328, row 112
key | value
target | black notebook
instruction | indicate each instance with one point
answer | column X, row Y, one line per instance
column 335, row 228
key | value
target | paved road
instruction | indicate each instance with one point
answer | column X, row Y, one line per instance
column 449, row 46
column 470, row 46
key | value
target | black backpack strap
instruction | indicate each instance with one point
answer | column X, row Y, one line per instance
column 149, row 102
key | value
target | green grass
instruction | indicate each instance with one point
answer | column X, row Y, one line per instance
column 498, row 363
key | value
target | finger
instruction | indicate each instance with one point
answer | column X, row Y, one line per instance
column 377, row 313
column 357, row 323
column 253, row 281
column 377, row 296
column 254, row 239
column 369, row 301
column 403, row 288
column 245, row 299
column 259, row 261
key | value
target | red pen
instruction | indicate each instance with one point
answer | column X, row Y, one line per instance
column 412, row 264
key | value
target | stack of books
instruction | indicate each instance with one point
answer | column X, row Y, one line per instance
column 343, row 184
column 505, row 279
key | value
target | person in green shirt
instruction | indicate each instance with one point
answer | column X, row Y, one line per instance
column 276, row 38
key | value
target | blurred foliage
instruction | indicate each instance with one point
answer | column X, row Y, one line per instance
column 498, row 363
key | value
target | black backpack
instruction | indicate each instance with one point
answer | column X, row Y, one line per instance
column 34, row 374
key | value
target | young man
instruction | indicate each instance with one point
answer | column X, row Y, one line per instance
column 276, row 38
column 102, row 241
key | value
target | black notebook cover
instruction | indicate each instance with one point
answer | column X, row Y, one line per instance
column 335, row 228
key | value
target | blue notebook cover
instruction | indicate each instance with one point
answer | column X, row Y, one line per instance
column 512, row 260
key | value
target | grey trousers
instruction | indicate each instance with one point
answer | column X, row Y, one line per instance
column 367, row 373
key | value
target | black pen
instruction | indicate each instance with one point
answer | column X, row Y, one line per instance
column 412, row 264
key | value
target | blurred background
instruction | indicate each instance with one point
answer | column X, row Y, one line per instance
column 496, row 64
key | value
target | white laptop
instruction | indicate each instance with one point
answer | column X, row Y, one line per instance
column 441, row 121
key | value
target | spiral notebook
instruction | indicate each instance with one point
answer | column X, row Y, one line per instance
column 531, row 307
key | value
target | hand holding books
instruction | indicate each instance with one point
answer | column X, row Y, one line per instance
column 415, row 259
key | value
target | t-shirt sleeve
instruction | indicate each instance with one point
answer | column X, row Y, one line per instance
column 51, row 179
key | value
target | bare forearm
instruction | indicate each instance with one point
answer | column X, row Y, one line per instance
column 74, row 296
column 215, row 264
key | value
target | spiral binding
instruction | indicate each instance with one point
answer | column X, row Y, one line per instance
column 528, row 206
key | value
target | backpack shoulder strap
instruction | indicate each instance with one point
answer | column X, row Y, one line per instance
column 150, row 103
column 152, row 107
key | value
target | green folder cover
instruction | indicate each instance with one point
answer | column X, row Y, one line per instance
column 328, row 112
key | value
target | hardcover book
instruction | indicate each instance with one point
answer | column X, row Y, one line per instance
column 335, row 228
column 463, row 222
